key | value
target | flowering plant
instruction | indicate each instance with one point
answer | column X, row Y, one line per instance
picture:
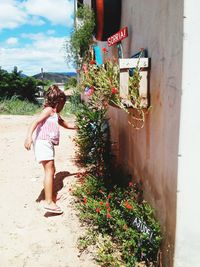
column 102, row 82
column 101, row 85
column 121, row 215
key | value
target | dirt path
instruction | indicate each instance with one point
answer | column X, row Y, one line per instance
column 27, row 237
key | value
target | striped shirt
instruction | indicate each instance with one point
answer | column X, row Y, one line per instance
column 49, row 130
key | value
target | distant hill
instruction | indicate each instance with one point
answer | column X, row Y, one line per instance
column 71, row 74
column 23, row 75
column 59, row 77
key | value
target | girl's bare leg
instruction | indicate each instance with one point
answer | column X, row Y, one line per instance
column 49, row 170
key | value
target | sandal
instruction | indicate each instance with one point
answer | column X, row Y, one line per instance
column 54, row 210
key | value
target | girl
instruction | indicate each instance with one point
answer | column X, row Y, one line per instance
column 46, row 137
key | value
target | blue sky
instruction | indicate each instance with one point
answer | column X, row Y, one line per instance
column 33, row 34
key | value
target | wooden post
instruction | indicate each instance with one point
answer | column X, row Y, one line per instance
column 124, row 76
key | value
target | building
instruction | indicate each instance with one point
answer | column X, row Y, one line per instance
column 164, row 154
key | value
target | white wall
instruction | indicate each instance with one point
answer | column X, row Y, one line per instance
column 188, row 209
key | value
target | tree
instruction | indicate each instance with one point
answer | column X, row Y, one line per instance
column 13, row 84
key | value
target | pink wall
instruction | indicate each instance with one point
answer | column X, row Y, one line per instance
column 151, row 154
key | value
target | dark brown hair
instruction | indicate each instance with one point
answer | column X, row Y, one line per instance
column 53, row 96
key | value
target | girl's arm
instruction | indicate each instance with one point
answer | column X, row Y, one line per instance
column 65, row 124
column 44, row 115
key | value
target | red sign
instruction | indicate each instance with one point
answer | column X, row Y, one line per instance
column 117, row 37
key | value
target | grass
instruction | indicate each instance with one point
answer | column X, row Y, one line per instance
column 15, row 106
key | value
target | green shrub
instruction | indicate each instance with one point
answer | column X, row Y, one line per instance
column 93, row 140
column 13, row 84
column 111, row 212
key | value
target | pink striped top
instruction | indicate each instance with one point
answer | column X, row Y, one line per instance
column 49, row 130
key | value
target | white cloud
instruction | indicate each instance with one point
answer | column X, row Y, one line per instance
column 46, row 52
column 50, row 32
column 12, row 41
column 56, row 11
column 34, row 36
column 11, row 14
column 14, row 13
column 35, row 21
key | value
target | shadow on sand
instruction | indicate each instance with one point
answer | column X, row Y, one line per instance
column 58, row 184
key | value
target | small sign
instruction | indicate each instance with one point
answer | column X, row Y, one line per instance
column 117, row 37
column 143, row 228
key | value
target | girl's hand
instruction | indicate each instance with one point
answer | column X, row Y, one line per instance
column 27, row 143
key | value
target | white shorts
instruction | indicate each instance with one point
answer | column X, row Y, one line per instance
column 44, row 150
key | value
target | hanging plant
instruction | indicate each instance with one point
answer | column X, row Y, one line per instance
column 82, row 36
column 101, row 85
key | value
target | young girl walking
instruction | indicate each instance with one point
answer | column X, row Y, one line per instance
column 46, row 129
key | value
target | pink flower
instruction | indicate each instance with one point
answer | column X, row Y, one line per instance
column 105, row 104
column 130, row 184
column 85, row 68
column 89, row 90
column 97, row 210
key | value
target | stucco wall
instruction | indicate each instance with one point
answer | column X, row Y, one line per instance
column 151, row 154
column 188, row 210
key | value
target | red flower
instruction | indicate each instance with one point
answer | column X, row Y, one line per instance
column 109, row 196
column 107, row 205
column 101, row 203
column 114, row 90
column 108, row 209
column 84, row 200
column 104, row 49
column 128, row 205
column 98, row 210
column 108, row 215
column 92, row 62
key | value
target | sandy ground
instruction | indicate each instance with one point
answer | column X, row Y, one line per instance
column 29, row 236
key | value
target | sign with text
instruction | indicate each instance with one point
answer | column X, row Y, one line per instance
column 117, row 37
column 143, row 228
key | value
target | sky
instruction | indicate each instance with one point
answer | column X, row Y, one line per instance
column 33, row 34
